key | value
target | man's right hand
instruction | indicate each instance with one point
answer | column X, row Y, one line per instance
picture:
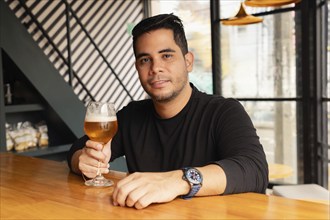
column 92, row 156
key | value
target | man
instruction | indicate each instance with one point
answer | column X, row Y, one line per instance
column 181, row 142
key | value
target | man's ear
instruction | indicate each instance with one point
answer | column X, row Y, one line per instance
column 189, row 58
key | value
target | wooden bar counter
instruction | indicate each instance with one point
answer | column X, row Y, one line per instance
column 33, row 188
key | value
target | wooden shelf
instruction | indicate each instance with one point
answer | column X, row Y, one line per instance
column 34, row 103
column 23, row 108
column 42, row 151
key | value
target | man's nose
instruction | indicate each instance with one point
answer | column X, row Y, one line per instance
column 156, row 66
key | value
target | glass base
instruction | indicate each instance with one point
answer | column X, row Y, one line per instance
column 99, row 181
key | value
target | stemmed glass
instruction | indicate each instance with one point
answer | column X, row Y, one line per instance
column 100, row 125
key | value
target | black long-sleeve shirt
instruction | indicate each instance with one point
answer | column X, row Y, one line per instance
column 209, row 130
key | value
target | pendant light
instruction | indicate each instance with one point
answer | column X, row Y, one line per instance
column 242, row 18
column 269, row 3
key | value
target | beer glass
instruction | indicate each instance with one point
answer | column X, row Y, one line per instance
column 100, row 125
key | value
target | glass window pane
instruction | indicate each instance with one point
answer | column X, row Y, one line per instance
column 196, row 20
column 276, row 126
column 258, row 60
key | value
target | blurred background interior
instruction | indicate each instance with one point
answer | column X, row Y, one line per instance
column 274, row 58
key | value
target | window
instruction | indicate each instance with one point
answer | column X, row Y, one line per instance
column 267, row 67
column 258, row 66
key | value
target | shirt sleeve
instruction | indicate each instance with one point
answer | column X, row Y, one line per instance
column 77, row 145
column 243, row 158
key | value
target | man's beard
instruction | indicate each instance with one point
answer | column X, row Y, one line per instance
column 165, row 98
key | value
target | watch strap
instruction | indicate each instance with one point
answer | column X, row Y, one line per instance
column 193, row 190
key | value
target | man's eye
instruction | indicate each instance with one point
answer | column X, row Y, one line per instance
column 144, row 60
column 167, row 56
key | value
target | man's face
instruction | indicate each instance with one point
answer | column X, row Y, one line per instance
column 163, row 69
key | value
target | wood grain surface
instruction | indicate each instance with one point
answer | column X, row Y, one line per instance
column 33, row 188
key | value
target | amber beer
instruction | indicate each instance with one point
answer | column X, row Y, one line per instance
column 100, row 128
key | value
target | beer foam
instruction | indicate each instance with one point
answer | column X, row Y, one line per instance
column 100, row 118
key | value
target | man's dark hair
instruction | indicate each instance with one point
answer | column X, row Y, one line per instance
column 167, row 21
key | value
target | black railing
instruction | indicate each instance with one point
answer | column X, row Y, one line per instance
column 45, row 35
column 68, row 32
column 97, row 49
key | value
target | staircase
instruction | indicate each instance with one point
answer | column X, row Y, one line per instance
column 71, row 52
column 23, row 51
column 88, row 42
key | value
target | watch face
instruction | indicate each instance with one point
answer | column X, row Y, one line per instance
column 194, row 176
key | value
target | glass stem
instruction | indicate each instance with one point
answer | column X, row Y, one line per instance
column 98, row 174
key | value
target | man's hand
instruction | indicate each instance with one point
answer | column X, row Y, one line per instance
column 92, row 156
column 141, row 189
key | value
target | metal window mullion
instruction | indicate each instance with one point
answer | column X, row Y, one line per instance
column 68, row 31
column 215, row 45
column 321, row 83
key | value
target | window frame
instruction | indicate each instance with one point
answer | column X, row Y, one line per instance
column 312, row 128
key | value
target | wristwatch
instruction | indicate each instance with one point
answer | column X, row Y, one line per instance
column 194, row 178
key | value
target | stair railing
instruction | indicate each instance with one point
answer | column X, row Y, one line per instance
column 69, row 13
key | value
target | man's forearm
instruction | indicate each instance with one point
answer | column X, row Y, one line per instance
column 214, row 180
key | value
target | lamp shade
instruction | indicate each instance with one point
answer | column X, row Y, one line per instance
column 269, row 3
column 242, row 18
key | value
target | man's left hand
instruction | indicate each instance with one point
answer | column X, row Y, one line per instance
column 139, row 190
